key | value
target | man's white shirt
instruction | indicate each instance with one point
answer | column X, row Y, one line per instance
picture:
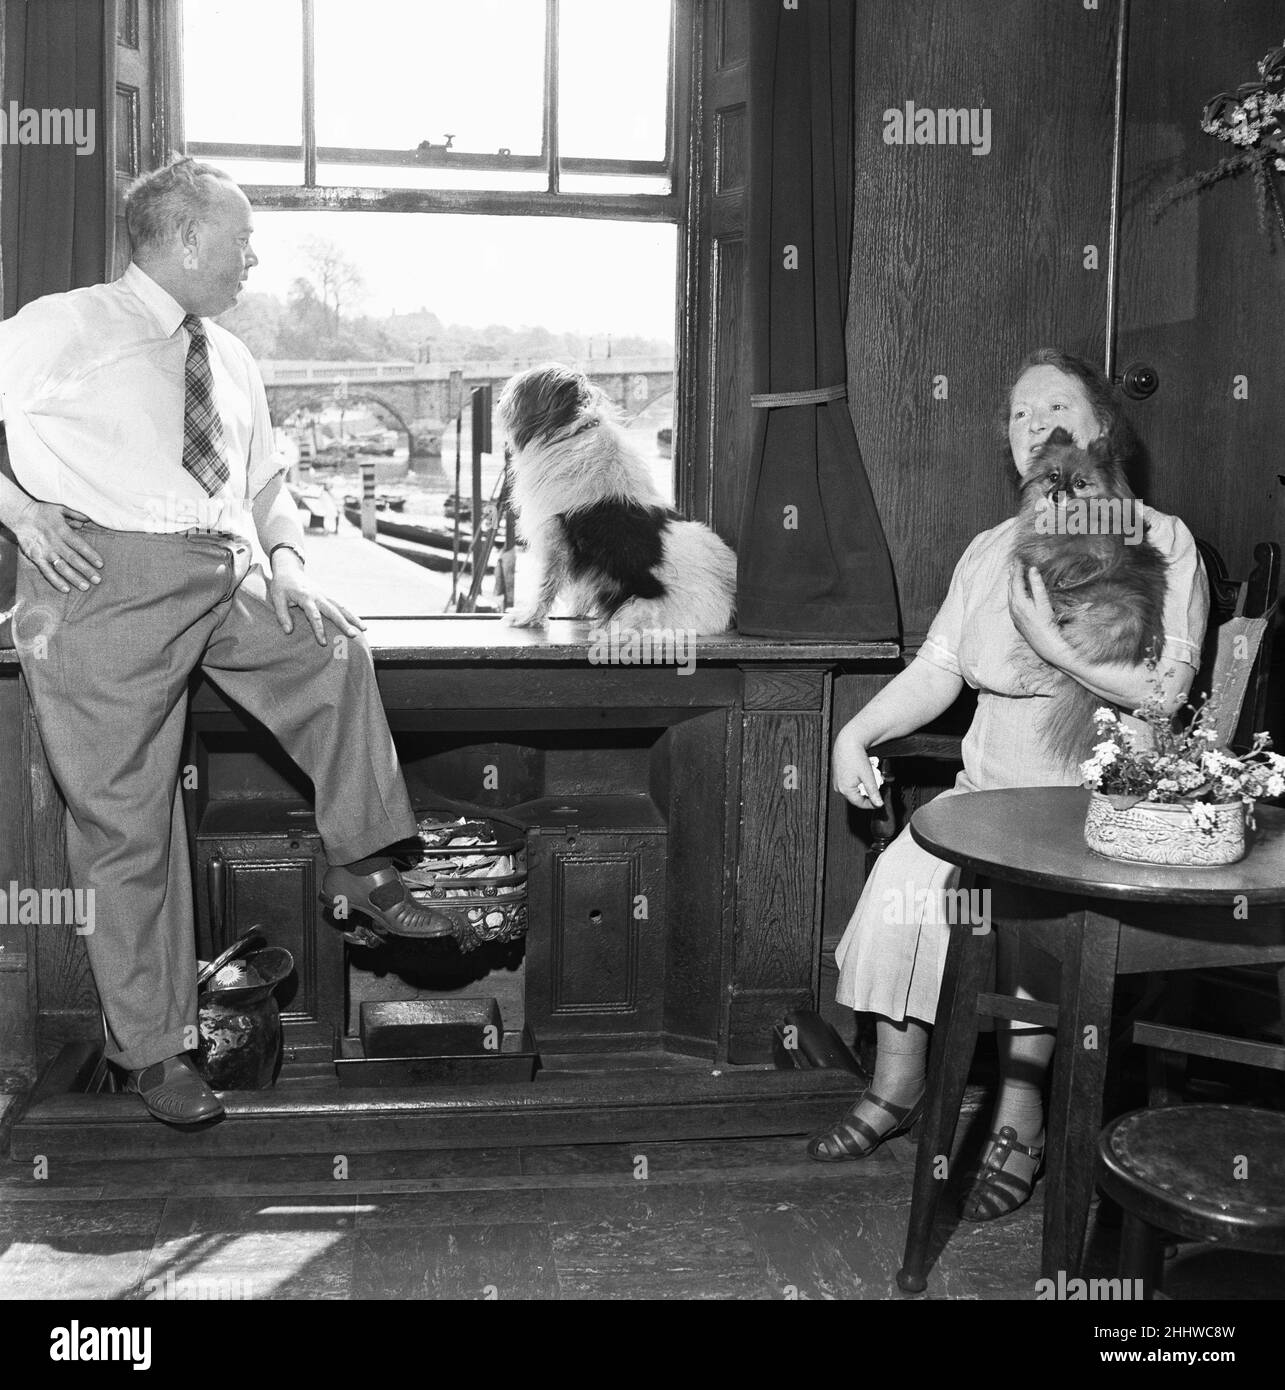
column 92, row 396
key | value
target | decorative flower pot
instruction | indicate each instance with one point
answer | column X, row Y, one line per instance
column 1153, row 832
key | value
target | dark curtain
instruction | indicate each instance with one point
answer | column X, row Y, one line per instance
column 814, row 562
column 53, row 201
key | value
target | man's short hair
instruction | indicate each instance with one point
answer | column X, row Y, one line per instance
column 160, row 200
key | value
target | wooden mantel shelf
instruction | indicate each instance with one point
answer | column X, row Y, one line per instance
column 469, row 638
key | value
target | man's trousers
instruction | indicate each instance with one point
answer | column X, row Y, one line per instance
column 108, row 672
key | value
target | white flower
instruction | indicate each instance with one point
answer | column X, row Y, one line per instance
column 1202, row 814
column 1216, row 761
column 1275, row 785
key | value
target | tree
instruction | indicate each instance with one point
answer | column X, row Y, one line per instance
column 256, row 319
column 339, row 284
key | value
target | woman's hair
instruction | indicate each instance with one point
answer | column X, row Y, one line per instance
column 162, row 199
column 1098, row 390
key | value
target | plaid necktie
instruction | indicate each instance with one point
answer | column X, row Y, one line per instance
column 204, row 447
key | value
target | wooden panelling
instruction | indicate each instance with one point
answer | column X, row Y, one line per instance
column 733, row 21
column 731, row 425
column 1200, row 294
column 716, row 410
column 963, row 262
column 732, row 152
column 127, row 23
column 595, row 967
column 698, row 781
column 784, row 689
column 65, row 997
column 128, row 133
column 777, row 878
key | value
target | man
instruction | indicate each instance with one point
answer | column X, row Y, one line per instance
column 157, row 536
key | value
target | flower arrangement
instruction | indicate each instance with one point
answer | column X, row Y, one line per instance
column 1253, row 119
column 1169, row 765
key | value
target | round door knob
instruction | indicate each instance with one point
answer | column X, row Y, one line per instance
column 1139, row 381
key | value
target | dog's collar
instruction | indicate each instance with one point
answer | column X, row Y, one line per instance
column 590, row 422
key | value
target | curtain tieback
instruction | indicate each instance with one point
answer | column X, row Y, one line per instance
column 769, row 400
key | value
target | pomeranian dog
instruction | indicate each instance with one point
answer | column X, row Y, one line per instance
column 599, row 533
column 1080, row 525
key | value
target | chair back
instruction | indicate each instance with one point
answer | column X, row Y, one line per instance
column 8, row 558
column 1236, row 658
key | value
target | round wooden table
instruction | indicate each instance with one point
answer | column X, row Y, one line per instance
column 1120, row 919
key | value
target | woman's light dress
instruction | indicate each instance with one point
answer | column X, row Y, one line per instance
column 892, row 955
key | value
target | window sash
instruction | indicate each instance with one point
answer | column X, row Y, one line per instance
column 310, row 195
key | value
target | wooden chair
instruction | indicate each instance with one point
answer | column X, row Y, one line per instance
column 1235, row 667
column 1202, row 1172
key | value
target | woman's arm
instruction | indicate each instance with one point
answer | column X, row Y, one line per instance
column 909, row 701
column 1119, row 682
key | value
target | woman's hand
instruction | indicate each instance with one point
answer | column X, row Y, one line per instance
column 915, row 697
column 851, row 772
column 290, row 587
column 1118, row 683
column 1033, row 617
column 46, row 535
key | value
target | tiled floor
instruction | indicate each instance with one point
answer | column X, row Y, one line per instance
column 726, row 1220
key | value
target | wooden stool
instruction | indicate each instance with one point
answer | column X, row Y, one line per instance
column 1206, row 1172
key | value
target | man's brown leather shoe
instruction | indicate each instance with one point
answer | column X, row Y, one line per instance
column 174, row 1091
column 385, row 899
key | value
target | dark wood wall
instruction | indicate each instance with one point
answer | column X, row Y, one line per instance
column 1201, row 298
column 964, row 263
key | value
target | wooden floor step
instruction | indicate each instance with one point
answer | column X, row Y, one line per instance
column 306, row 1114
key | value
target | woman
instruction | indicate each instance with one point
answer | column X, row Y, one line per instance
column 891, row 958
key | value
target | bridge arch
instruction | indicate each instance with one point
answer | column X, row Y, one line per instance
column 634, row 411
column 285, row 401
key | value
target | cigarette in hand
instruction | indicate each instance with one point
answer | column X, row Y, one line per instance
column 861, row 786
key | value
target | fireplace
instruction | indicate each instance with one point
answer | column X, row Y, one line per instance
column 676, row 830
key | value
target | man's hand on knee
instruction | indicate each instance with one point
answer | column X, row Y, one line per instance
column 290, row 588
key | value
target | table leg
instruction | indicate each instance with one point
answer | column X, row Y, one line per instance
column 968, row 963
column 1079, row 1076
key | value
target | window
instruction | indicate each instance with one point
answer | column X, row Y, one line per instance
column 547, row 140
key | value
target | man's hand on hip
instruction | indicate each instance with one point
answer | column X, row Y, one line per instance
column 289, row 587
column 47, row 536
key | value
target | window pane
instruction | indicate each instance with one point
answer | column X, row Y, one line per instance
column 615, row 183
column 391, row 75
column 269, row 171
column 404, row 301
column 390, row 176
column 243, row 71
column 613, row 78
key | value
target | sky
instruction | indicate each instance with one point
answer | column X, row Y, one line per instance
column 415, row 70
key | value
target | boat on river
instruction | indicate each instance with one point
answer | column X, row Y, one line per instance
column 429, row 546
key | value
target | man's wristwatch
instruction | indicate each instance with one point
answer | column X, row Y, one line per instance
column 285, row 545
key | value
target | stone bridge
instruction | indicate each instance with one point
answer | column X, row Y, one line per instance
column 424, row 397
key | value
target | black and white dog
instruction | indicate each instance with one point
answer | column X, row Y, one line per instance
column 597, row 529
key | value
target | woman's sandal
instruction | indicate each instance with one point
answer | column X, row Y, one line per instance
column 840, row 1141
column 996, row 1193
